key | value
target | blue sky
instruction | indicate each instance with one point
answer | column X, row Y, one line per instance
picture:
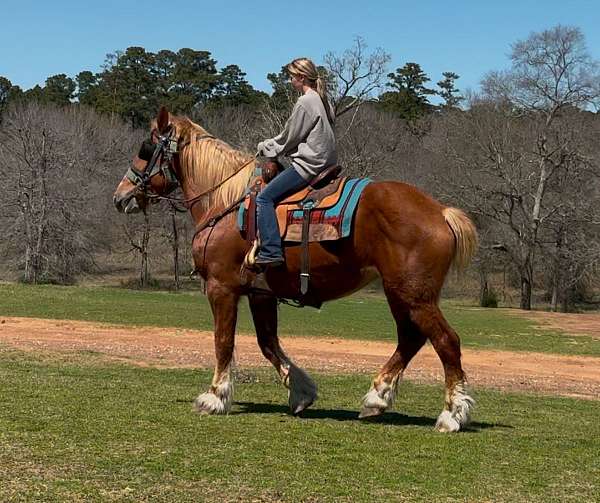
column 42, row 38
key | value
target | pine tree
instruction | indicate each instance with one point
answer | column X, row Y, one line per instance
column 449, row 93
column 409, row 95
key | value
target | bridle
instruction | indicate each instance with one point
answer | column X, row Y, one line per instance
column 166, row 148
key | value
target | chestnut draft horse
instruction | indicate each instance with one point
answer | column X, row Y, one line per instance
column 400, row 234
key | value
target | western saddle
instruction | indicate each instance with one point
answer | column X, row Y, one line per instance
column 323, row 191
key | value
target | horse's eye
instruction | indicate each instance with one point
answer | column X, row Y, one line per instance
column 146, row 150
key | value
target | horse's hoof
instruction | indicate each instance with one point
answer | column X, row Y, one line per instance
column 302, row 389
column 208, row 404
column 298, row 409
column 370, row 412
column 446, row 423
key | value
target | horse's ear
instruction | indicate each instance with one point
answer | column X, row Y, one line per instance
column 162, row 121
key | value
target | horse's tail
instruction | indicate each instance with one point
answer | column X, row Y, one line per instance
column 465, row 236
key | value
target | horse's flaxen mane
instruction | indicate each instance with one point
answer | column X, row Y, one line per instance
column 206, row 162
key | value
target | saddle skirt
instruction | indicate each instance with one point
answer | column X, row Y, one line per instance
column 331, row 211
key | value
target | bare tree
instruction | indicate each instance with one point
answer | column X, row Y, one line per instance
column 138, row 229
column 58, row 167
column 570, row 238
column 172, row 222
column 355, row 75
column 381, row 145
column 241, row 126
column 513, row 145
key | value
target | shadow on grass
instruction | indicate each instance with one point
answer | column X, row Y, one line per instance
column 394, row 418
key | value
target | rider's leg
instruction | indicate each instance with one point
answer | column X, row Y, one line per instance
column 284, row 184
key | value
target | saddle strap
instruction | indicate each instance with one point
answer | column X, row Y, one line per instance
column 252, row 227
column 304, row 258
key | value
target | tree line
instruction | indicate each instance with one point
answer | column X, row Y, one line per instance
column 521, row 156
column 133, row 83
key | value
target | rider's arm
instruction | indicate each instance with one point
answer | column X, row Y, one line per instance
column 296, row 129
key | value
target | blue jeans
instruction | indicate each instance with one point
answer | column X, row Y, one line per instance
column 283, row 185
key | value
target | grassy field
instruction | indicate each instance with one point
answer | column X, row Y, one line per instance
column 74, row 428
column 361, row 316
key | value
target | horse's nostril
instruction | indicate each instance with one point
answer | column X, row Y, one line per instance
column 117, row 202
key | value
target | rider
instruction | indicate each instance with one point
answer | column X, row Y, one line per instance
column 308, row 140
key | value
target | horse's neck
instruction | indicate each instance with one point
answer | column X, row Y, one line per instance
column 206, row 206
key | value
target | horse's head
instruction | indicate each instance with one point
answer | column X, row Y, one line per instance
column 153, row 170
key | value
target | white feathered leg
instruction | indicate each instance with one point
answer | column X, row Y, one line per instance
column 379, row 398
column 302, row 390
column 218, row 399
column 457, row 414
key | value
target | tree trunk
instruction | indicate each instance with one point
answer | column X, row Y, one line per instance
column 525, row 293
column 556, row 279
column 144, row 277
column 28, row 244
column 527, row 277
column 504, row 283
column 483, row 288
column 526, row 272
column 554, row 301
column 66, row 252
column 37, row 254
column 565, row 300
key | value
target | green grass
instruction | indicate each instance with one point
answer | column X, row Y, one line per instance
column 362, row 316
column 74, row 428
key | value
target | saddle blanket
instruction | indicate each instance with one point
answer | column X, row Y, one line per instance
column 326, row 223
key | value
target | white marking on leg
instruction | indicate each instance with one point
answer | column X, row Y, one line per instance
column 302, row 389
column 379, row 398
column 219, row 399
column 462, row 404
column 458, row 412
column 446, row 423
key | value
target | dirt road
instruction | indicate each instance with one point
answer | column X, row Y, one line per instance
column 171, row 347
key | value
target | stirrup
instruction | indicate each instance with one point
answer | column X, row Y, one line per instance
column 259, row 285
column 250, row 258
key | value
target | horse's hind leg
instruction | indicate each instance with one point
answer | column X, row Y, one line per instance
column 383, row 390
column 301, row 388
column 223, row 302
column 458, row 404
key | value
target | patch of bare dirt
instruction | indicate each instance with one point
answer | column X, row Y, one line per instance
column 569, row 323
column 173, row 347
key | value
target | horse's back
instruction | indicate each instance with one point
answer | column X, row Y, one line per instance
column 394, row 205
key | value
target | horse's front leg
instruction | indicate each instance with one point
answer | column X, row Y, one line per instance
column 224, row 303
column 302, row 389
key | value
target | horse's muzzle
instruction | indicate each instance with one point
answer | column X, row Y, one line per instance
column 127, row 204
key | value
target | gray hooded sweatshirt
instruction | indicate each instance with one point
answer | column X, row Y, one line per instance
column 307, row 138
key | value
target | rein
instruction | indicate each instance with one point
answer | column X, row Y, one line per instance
column 212, row 221
column 189, row 203
column 168, row 147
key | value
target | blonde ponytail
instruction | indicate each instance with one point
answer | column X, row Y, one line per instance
column 322, row 91
column 322, row 88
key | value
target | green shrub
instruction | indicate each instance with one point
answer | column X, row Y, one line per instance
column 489, row 298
